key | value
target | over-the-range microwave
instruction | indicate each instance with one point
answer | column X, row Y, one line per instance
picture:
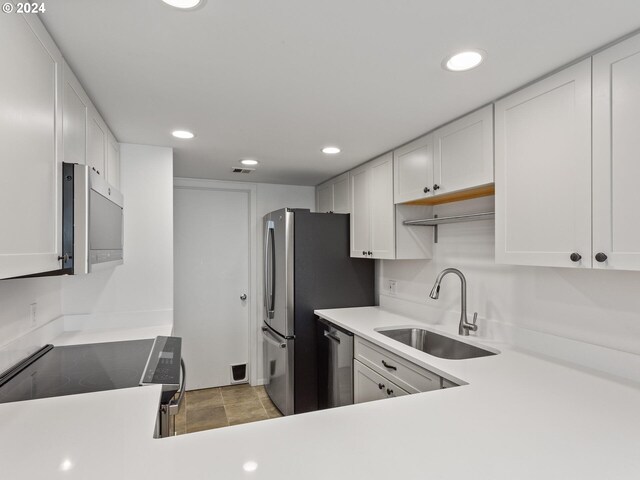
column 92, row 221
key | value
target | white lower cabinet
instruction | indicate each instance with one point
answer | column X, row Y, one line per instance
column 369, row 385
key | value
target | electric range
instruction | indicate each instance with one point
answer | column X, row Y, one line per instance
column 77, row 369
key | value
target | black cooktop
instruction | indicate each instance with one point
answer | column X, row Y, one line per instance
column 74, row 369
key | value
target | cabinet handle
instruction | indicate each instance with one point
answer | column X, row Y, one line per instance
column 389, row 391
column 426, row 189
column 369, row 253
column 364, row 252
column 575, row 257
column 436, row 186
column 390, row 367
column 601, row 257
column 381, row 386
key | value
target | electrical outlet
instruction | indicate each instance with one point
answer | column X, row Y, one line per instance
column 391, row 287
column 32, row 313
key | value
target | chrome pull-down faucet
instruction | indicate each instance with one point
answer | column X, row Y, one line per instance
column 465, row 325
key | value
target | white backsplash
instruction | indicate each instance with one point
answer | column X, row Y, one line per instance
column 595, row 307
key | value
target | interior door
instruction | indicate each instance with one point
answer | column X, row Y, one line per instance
column 211, row 242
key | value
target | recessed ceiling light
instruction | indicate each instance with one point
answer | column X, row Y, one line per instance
column 183, row 4
column 248, row 162
column 461, row 61
column 331, row 150
column 182, row 134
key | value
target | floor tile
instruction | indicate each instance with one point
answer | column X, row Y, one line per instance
column 262, row 393
column 251, row 411
column 238, row 394
column 206, row 418
column 270, row 408
column 208, row 397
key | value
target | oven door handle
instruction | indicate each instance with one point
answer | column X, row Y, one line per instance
column 174, row 405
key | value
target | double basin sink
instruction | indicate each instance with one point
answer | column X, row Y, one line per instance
column 435, row 344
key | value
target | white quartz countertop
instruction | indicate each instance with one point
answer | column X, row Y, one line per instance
column 519, row 416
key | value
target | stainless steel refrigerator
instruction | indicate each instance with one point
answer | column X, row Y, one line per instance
column 306, row 267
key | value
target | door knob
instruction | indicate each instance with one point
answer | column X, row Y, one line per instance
column 243, row 296
column 575, row 257
column 601, row 257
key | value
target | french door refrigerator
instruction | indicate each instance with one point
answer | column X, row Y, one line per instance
column 307, row 266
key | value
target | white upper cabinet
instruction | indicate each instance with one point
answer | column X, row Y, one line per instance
column 113, row 161
column 616, row 158
column 377, row 230
column 96, row 142
column 383, row 240
column 543, row 172
column 455, row 158
column 413, row 170
column 463, row 153
column 333, row 196
column 74, row 119
column 360, row 211
column 31, row 146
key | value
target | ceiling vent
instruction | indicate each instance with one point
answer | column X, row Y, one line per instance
column 242, row 170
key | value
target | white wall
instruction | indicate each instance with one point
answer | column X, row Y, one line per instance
column 144, row 283
column 15, row 298
column 596, row 307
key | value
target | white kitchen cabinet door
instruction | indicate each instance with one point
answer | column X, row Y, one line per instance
column 333, row 195
column 383, row 228
column 616, row 157
column 543, row 171
column 341, row 194
column 31, row 146
column 413, row 170
column 324, row 197
column 74, row 119
column 113, row 161
column 360, row 212
column 369, row 385
column 463, row 153
column 96, row 142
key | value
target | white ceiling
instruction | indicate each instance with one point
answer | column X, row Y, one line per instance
column 276, row 80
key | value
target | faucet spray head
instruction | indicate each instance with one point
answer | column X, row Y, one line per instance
column 435, row 291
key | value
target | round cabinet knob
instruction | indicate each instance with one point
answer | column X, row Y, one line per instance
column 601, row 257
column 243, row 296
column 381, row 386
column 369, row 253
column 436, row 187
column 389, row 391
column 575, row 257
column 364, row 252
column 426, row 189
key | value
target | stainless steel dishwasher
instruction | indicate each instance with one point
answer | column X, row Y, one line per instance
column 335, row 365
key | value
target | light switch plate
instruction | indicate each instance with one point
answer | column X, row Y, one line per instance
column 392, row 287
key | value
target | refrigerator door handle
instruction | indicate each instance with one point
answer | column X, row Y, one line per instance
column 269, row 337
column 269, row 269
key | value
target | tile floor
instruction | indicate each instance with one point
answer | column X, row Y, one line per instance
column 223, row 406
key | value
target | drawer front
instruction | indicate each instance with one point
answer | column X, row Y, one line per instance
column 448, row 383
column 407, row 375
column 369, row 385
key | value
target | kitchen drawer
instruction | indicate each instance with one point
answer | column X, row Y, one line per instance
column 369, row 385
column 407, row 375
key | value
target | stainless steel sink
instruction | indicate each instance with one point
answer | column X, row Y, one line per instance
column 435, row 344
